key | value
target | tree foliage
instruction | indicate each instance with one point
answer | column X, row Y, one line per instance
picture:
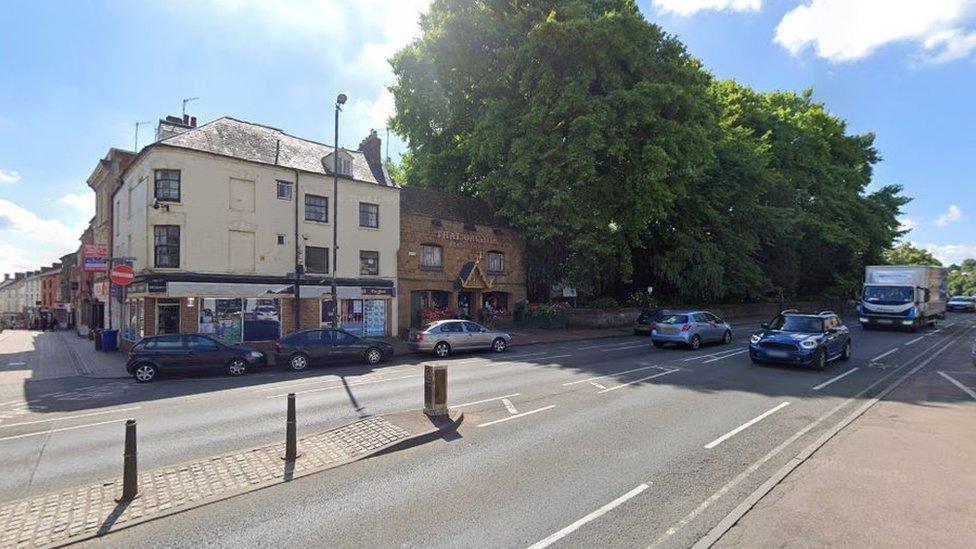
column 906, row 254
column 625, row 164
column 962, row 278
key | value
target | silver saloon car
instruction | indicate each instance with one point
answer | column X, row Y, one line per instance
column 690, row 329
column 447, row 336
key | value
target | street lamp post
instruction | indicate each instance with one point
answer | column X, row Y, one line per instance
column 340, row 101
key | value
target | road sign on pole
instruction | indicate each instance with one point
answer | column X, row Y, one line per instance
column 122, row 275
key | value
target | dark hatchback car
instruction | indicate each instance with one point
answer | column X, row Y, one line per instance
column 802, row 339
column 189, row 353
column 323, row 346
column 647, row 320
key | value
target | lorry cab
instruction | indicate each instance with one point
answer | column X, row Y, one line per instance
column 908, row 296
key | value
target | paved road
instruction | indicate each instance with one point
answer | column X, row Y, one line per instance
column 608, row 442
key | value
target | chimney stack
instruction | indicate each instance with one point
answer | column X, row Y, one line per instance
column 371, row 147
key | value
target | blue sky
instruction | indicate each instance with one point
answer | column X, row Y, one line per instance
column 76, row 76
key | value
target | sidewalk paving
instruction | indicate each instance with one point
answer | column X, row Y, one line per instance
column 902, row 475
column 88, row 511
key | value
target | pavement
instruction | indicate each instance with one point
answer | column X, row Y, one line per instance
column 601, row 442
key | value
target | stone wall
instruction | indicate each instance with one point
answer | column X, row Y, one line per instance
column 609, row 318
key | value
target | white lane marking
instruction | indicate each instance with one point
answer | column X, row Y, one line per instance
column 16, row 364
column 509, row 406
column 557, row 356
column 483, row 401
column 615, row 387
column 340, row 386
column 833, row 379
column 331, row 378
column 608, row 375
column 588, row 518
column 597, row 385
column 953, row 381
column 935, row 331
column 523, row 414
column 63, row 429
column 526, row 355
column 746, row 425
column 914, row 341
column 710, row 355
column 726, row 356
column 71, row 417
column 879, row 357
column 607, row 345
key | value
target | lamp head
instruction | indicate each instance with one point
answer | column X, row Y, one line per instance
column 341, row 99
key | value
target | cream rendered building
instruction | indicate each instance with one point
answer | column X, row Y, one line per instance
column 221, row 217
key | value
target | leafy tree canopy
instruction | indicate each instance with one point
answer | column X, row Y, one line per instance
column 906, row 254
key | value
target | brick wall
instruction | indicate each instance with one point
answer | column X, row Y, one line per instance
column 189, row 316
column 149, row 316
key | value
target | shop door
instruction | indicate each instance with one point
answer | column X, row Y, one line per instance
column 416, row 302
column 464, row 301
column 167, row 317
column 352, row 316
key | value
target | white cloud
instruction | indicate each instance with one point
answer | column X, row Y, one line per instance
column 951, row 215
column 847, row 30
column 952, row 253
column 9, row 177
column 28, row 241
column 689, row 7
column 84, row 203
column 907, row 224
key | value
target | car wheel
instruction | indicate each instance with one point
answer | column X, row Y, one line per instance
column 237, row 367
column 499, row 345
column 727, row 338
column 298, row 362
column 846, row 353
column 442, row 349
column 820, row 362
column 145, row 372
column 695, row 343
column 659, row 344
column 374, row 356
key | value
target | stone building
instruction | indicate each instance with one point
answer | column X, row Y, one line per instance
column 456, row 259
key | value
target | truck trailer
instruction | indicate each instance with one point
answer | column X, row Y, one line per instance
column 903, row 296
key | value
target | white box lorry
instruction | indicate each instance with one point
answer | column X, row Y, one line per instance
column 909, row 296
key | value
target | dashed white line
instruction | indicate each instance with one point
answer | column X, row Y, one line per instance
column 609, row 375
column 509, row 406
column 914, row 341
column 526, row 355
column 953, row 381
column 340, row 386
column 63, row 429
column 16, row 364
column 745, row 425
column 609, row 345
column 71, row 417
column 484, row 401
column 588, row 518
column 615, row 387
column 879, row 357
column 597, row 385
column 726, row 356
column 557, row 356
column 833, row 379
column 523, row 414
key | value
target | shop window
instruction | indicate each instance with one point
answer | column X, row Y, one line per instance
column 369, row 215
column 316, row 208
column 431, row 256
column 496, row 262
column 167, row 187
column 222, row 318
column 495, row 303
column 167, row 316
column 369, row 263
column 167, row 246
column 262, row 319
column 132, row 329
column 285, row 189
column 316, row 259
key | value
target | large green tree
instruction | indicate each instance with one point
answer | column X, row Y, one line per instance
column 907, row 254
column 583, row 123
column 962, row 278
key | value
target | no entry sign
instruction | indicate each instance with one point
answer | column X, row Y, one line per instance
column 122, row 275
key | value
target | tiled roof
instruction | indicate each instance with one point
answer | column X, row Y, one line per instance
column 256, row 143
column 436, row 204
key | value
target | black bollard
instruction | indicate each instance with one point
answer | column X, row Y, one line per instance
column 291, row 436
column 130, row 471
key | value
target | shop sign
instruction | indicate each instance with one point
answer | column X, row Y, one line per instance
column 100, row 291
column 156, row 286
column 95, row 257
column 380, row 291
column 459, row 239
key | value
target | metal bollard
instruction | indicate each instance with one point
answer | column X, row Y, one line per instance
column 291, row 436
column 130, row 471
column 435, row 390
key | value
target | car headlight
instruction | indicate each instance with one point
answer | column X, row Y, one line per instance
column 755, row 338
column 255, row 354
column 809, row 343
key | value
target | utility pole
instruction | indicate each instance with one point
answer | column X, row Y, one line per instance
column 187, row 100
column 340, row 101
column 135, row 148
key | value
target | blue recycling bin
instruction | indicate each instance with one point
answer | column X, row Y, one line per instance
column 110, row 340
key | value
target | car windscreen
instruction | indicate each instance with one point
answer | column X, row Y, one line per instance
column 890, row 295
column 792, row 323
column 674, row 319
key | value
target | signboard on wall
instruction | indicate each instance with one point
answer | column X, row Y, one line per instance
column 100, row 291
column 95, row 257
column 380, row 291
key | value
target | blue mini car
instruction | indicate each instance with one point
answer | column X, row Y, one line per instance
column 804, row 339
